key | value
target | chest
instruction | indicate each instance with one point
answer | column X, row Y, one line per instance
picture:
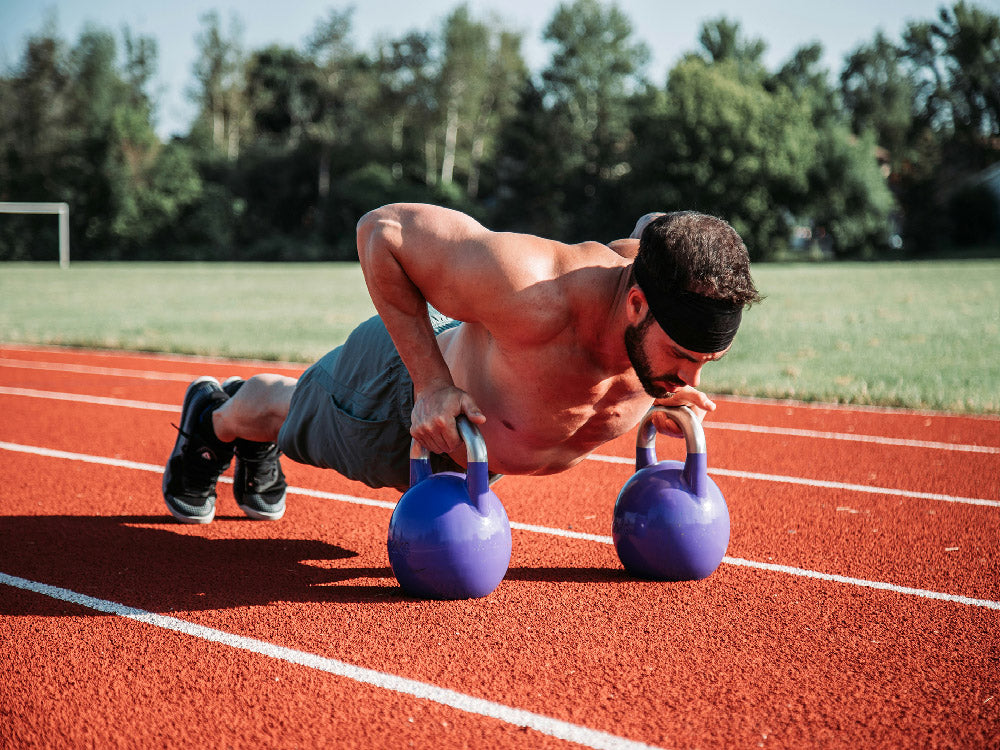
column 557, row 400
column 547, row 406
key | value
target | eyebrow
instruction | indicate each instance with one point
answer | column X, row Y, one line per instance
column 711, row 357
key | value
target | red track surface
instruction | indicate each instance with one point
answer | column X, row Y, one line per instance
column 858, row 606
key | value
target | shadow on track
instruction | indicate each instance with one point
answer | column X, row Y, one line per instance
column 145, row 562
column 149, row 563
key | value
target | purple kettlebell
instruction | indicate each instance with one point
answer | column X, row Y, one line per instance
column 671, row 522
column 449, row 537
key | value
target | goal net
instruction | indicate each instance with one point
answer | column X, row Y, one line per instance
column 59, row 209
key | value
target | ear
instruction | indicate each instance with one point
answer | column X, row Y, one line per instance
column 636, row 306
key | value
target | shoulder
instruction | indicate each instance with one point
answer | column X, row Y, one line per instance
column 627, row 248
column 558, row 287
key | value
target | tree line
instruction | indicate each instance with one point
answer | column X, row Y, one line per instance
column 291, row 145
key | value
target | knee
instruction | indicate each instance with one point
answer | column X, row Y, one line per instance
column 256, row 410
column 266, row 395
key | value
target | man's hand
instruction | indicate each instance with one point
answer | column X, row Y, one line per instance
column 699, row 403
column 434, row 413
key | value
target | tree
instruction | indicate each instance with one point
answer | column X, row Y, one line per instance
column 933, row 102
column 33, row 103
column 480, row 73
column 847, row 200
column 588, row 87
column 506, row 73
column 722, row 41
column 283, row 95
column 218, row 94
column 404, row 81
column 802, row 76
column 531, row 192
column 879, row 94
column 83, row 134
column 957, row 60
column 729, row 148
column 33, row 118
column 594, row 70
column 462, row 81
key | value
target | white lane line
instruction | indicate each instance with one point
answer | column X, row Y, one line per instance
column 83, row 399
column 850, row 436
column 173, row 408
column 857, row 408
column 117, row 372
column 821, row 483
column 710, row 424
column 152, row 356
column 565, row 533
column 563, row 730
column 84, row 457
column 906, row 590
column 804, row 573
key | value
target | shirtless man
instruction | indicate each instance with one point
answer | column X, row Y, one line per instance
column 560, row 349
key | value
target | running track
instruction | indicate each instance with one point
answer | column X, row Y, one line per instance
column 858, row 606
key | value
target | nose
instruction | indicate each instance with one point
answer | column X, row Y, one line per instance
column 690, row 374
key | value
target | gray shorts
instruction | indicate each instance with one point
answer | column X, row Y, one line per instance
column 350, row 411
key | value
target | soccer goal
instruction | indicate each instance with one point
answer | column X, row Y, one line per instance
column 60, row 209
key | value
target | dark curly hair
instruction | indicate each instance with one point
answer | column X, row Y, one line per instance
column 694, row 252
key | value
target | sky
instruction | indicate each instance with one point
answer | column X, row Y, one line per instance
column 669, row 28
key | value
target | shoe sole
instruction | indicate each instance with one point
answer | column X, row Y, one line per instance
column 178, row 447
column 259, row 515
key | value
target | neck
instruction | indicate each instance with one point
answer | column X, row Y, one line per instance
column 606, row 335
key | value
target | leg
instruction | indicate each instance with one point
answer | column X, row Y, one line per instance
column 217, row 421
column 257, row 410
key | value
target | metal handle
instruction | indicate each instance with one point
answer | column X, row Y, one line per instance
column 477, row 471
column 683, row 417
column 475, row 446
column 696, row 464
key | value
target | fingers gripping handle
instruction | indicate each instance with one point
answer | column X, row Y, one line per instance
column 478, row 464
column 696, row 465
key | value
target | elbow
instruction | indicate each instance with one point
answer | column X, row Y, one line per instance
column 377, row 231
column 365, row 228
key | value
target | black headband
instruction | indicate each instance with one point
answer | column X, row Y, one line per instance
column 696, row 322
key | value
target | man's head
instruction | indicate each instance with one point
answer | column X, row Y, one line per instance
column 694, row 273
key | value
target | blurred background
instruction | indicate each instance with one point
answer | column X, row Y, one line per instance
column 855, row 131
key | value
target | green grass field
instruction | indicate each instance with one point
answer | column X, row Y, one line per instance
column 923, row 335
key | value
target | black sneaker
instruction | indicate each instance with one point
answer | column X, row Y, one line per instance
column 258, row 481
column 195, row 465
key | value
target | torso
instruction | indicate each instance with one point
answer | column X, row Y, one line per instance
column 548, row 402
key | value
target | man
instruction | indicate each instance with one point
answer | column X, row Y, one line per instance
column 560, row 349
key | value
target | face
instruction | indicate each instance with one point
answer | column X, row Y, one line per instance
column 674, row 366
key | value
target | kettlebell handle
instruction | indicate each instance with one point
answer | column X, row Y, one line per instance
column 696, row 465
column 683, row 417
column 475, row 446
column 477, row 471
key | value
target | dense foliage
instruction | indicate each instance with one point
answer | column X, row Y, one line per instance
column 292, row 145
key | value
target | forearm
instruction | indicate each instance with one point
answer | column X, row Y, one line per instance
column 399, row 301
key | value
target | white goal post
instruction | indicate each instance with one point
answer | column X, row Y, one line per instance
column 61, row 209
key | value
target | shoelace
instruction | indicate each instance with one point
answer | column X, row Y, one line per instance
column 256, row 477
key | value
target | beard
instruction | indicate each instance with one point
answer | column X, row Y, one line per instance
column 634, row 337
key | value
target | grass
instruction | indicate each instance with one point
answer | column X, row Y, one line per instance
column 921, row 335
column 292, row 312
